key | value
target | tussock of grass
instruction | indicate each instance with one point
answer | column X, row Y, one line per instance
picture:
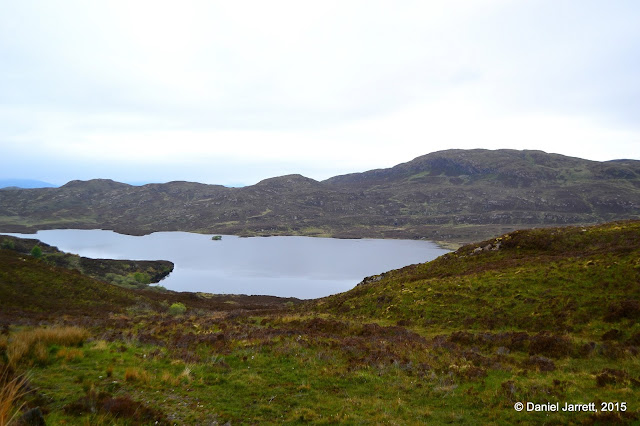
column 35, row 341
column 186, row 374
column 100, row 345
column 137, row 375
column 70, row 354
column 11, row 391
column 169, row 379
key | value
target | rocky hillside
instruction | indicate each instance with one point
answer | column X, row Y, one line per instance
column 455, row 195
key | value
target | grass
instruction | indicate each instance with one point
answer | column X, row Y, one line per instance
column 537, row 280
column 305, row 368
column 551, row 316
column 34, row 342
column 11, row 392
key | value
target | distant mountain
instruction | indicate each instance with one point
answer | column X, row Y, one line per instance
column 25, row 183
column 454, row 195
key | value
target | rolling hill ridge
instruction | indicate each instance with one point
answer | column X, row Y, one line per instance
column 454, row 195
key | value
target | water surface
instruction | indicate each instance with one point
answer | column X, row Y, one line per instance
column 302, row 267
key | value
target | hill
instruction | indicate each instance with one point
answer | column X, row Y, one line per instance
column 38, row 289
column 125, row 273
column 538, row 317
column 24, row 183
column 30, row 287
column 570, row 279
column 454, row 195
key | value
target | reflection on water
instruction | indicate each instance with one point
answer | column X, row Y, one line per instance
column 302, row 267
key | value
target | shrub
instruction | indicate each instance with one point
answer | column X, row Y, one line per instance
column 36, row 252
column 141, row 277
column 8, row 244
column 177, row 309
column 135, row 280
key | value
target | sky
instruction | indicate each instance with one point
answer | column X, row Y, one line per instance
column 232, row 92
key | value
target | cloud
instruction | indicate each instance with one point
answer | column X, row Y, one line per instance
column 330, row 87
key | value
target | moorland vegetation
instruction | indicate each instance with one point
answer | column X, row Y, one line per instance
column 540, row 315
column 125, row 273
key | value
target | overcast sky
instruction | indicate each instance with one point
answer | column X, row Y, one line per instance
column 231, row 92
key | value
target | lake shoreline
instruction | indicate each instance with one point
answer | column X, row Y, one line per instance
column 285, row 266
column 345, row 235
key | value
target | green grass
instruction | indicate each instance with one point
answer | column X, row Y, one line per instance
column 360, row 374
column 557, row 279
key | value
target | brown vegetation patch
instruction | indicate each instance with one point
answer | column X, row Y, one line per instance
column 625, row 309
column 613, row 334
column 611, row 376
column 540, row 363
column 509, row 389
column 550, row 345
column 473, row 373
column 611, row 418
column 120, row 407
column 543, row 343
